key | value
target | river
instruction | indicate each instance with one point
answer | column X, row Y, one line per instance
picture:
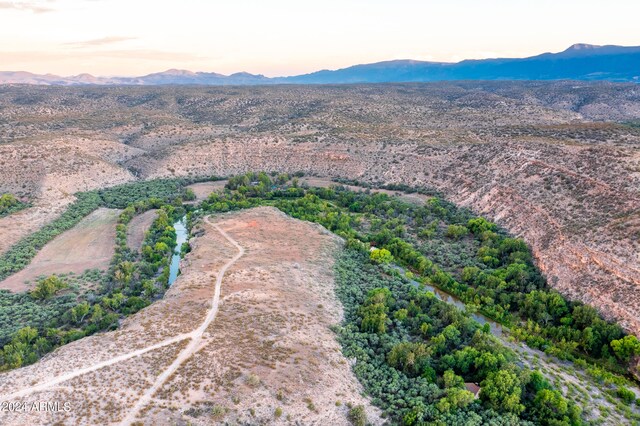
column 181, row 237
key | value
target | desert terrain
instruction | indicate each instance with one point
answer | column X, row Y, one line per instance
column 556, row 163
column 241, row 337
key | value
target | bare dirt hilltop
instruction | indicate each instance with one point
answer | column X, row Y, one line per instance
column 242, row 337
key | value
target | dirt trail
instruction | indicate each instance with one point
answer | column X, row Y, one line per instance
column 195, row 336
column 81, row 371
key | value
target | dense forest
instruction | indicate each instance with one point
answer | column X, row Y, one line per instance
column 416, row 356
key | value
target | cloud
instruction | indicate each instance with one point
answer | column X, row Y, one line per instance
column 29, row 6
column 149, row 54
column 99, row 41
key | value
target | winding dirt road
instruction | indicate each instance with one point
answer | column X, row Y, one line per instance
column 195, row 336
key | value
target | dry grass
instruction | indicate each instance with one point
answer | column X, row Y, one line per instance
column 533, row 156
column 137, row 228
column 270, row 345
column 203, row 189
column 88, row 245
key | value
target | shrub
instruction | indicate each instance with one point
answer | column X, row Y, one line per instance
column 626, row 395
column 48, row 287
column 456, row 231
column 357, row 416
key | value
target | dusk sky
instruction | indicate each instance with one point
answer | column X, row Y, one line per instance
column 285, row 37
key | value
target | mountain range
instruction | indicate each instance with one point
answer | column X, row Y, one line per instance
column 578, row 62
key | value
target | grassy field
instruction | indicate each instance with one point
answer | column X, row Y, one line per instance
column 137, row 227
column 88, row 245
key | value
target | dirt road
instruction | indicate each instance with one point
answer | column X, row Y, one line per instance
column 195, row 335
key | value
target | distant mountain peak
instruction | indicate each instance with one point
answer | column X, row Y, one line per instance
column 174, row 71
column 582, row 46
column 245, row 74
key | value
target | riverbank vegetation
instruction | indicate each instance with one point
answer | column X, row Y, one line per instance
column 467, row 256
column 476, row 261
column 118, row 197
column 416, row 355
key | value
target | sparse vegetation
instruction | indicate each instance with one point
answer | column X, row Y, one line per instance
column 518, row 151
column 357, row 416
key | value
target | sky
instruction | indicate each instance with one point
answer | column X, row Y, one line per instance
column 289, row 37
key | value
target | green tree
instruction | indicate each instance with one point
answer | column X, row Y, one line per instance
column 480, row 225
column 125, row 270
column 456, row 232
column 451, row 380
column 502, row 390
column 98, row 315
column 551, row 408
column 374, row 318
column 25, row 335
column 626, row 347
column 79, row 312
column 381, row 256
column 455, row 398
column 409, row 357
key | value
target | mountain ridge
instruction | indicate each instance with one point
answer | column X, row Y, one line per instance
column 579, row 61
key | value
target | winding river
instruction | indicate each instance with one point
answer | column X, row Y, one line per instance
column 496, row 328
